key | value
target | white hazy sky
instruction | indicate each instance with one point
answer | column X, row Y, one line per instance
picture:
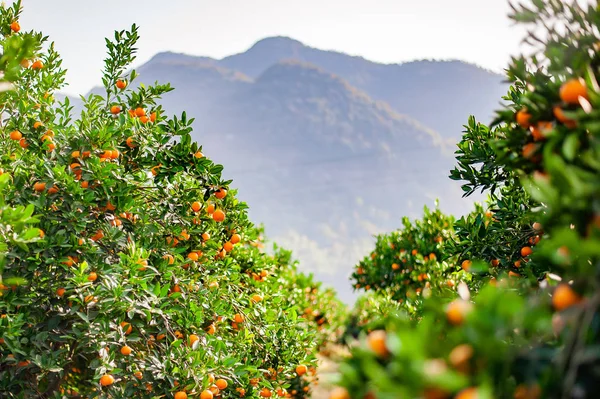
column 388, row 31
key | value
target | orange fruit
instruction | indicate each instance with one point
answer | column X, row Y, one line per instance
column 180, row 395
column 495, row 262
column 15, row 27
column 196, row 206
column 126, row 350
column 115, row 109
column 228, row 246
column 537, row 226
column 457, row 311
column 256, row 298
column 238, row 318
column 121, row 84
column 126, row 327
column 130, row 142
column 523, row 117
column 25, row 63
column 37, row 65
column 539, row 131
column 466, row 265
column 339, row 393
column 206, row 394
column 211, row 329
column 198, row 154
column 107, row 380
column 16, row 135
column 193, row 256
column 210, row 208
column 52, row 190
column 138, row 375
column 218, row 215
column 205, row 236
column 572, row 89
column 23, row 143
column 460, row 356
column 75, row 154
column 265, row 393
column 39, row 187
column 376, row 342
column 60, row 292
column 140, row 112
column 517, row 263
column 395, row 266
column 560, row 116
column 301, row 369
column 92, row 276
column 144, row 119
column 528, row 392
column 169, row 258
column 529, row 149
column 221, row 193
column 153, row 117
column 221, row 383
column 235, row 238
column 526, row 251
column 193, row 338
column 564, row 297
column 468, row 393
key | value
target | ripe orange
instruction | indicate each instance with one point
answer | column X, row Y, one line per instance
column 221, row 193
column 376, row 342
column 466, row 265
column 107, row 380
column 126, row 350
column 60, row 292
column 460, row 357
column 235, row 238
column 139, row 111
column 457, row 311
column 180, row 395
column 395, row 266
column 560, row 116
column 92, row 276
column 52, row 190
column 301, row 369
column 130, row 142
column 495, row 262
column 193, row 338
column 210, row 209
column 25, row 63
column 468, row 393
column 523, row 117
column 228, row 246
column 39, row 187
column 526, row 251
column 15, row 27
column 126, row 327
column 571, row 90
column 153, row 117
column 265, row 393
column 205, row 236
column 564, row 297
column 218, row 215
column 196, row 206
column 206, row 394
column 15, row 135
column 121, row 84
column 211, row 329
column 339, row 393
column 138, row 375
column 23, row 143
column 256, row 298
column 169, row 258
column 193, row 256
column 115, row 109
column 517, row 263
column 37, row 65
column 198, row 154
column 529, row 149
column 221, row 383
column 238, row 318
column 144, row 119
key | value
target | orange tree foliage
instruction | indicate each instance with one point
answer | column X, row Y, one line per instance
column 526, row 324
column 143, row 277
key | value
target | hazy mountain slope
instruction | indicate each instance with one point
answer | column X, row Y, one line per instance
column 440, row 94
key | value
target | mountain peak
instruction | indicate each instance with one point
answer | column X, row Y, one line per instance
column 277, row 42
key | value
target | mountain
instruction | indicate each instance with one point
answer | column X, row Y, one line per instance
column 326, row 148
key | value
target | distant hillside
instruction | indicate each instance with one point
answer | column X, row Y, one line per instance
column 328, row 149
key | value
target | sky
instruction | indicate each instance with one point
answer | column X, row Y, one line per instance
column 388, row 31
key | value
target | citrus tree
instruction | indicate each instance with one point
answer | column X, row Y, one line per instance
column 143, row 276
column 532, row 331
